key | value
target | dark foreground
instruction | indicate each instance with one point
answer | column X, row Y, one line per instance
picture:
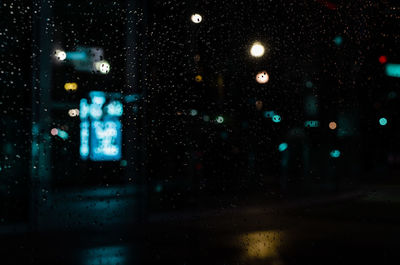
column 357, row 228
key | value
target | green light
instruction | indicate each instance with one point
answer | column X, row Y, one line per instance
column 335, row 153
column 193, row 112
column 276, row 118
column 383, row 121
column 393, row 70
column 282, row 147
column 309, row 84
column 220, row 119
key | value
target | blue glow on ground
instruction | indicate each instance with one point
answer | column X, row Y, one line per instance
column 276, row 118
column 383, row 121
column 282, row 147
column 108, row 255
column 335, row 153
column 393, row 70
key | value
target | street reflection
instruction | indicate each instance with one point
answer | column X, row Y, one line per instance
column 106, row 255
column 261, row 245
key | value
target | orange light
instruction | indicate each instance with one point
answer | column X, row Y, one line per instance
column 198, row 78
column 262, row 77
column 332, row 125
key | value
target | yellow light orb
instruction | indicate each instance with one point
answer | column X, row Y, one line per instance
column 71, row 86
column 257, row 49
column 198, row 78
column 262, row 77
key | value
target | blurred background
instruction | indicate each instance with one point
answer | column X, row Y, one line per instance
column 226, row 132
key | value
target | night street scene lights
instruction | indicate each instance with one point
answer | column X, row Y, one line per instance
column 196, row 18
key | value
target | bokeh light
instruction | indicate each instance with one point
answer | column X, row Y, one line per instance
column 71, row 86
column 332, row 125
column 257, row 49
column 196, row 18
column 262, row 77
column 198, row 78
column 383, row 121
column 335, row 153
column 60, row 55
column 102, row 66
column 54, row 131
column 338, row 40
column 276, row 118
column 220, row 119
column 282, row 147
column 382, row 59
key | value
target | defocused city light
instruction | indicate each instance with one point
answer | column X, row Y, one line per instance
column 62, row 134
column 198, row 78
column 382, row 59
column 193, row 112
column 335, row 153
column 257, row 49
column 206, row 118
column 269, row 113
column 259, row 104
column 332, row 125
column 54, row 131
column 383, row 121
column 282, row 147
column 309, row 84
column 276, row 118
column 262, row 77
column 114, row 108
column 393, row 70
column 71, row 86
column 220, row 119
column 102, row 66
column 73, row 112
column 196, row 18
column 338, row 40
column 60, row 55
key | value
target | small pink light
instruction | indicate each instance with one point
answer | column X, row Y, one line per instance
column 54, row 131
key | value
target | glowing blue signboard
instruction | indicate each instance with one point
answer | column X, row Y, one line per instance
column 100, row 128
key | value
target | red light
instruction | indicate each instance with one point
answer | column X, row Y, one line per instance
column 382, row 59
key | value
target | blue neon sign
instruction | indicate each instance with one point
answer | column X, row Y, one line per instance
column 100, row 128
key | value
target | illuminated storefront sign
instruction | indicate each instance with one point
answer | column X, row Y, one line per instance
column 100, row 128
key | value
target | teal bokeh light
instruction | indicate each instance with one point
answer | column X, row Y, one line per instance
column 383, row 121
column 393, row 70
column 335, row 153
column 282, row 147
column 338, row 40
column 276, row 118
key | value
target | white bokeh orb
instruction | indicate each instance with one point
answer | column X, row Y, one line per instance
column 196, row 18
column 60, row 55
column 262, row 77
column 257, row 49
column 103, row 67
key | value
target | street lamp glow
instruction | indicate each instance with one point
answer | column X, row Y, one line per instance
column 257, row 49
column 60, row 55
column 196, row 18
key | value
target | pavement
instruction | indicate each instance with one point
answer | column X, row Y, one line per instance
column 357, row 227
